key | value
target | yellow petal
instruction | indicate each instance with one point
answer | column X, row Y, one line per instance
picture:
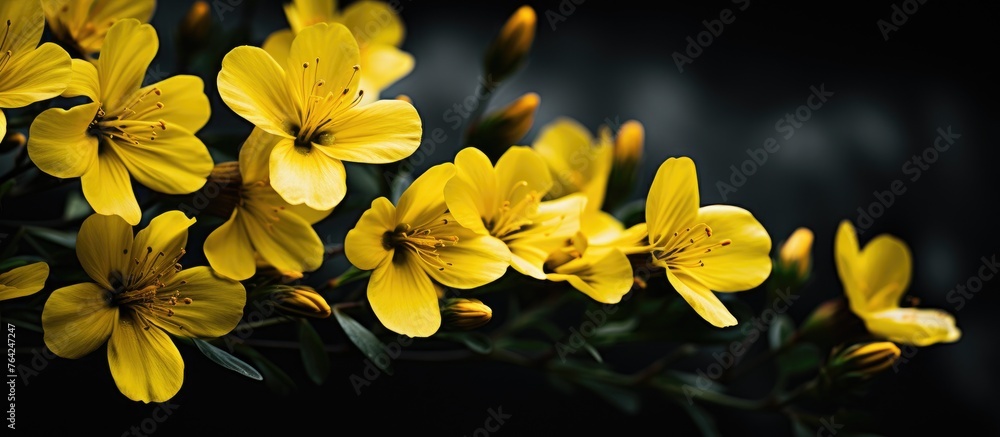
column 471, row 195
column 144, row 362
column 673, row 201
column 278, row 44
column 3, row 124
column 565, row 145
column 742, row 265
column 288, row 243
column 229, row 251
column 253, row 85
column 383, row 65
column 255, row 154
column 302, row 13
column 104, row 248
column 108, row 189
column 918, row 327
column 310, row 215
column 603, row 274
column 403, row 298
column 78, row 319
column 184, row 102
column 886, row 266
column 474, row 261
column 58, row 142
column 599, row 227
column 107, row 11
column 22, row 281
column 704, row 302
column 423, row 202
column 633, row 240
column 216, row 304
column 37, row 75
column 26, row 24
column 337, row 54
column 377, row 133
column 309, row 177
column 175, row 162
column 128, row 49
column 555, row 223
column 165, row 233
column 364, row 244
column 373, row 22
column 521, row 171
column 83, row 81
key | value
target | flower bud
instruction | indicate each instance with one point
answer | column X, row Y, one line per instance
column 628, row 145
column 506, row 126
column 795, row 256
column 862, row 361
column 300, row 300
column 462, row 313
column 11, row 141
column 196, row 25
column 405, row 98
column 510, row 48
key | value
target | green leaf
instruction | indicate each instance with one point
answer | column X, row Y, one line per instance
column 63, row 238
column 226, row 360
column 276, row 379
column 625, row 400
column 76, row 207
column 702, row 419
column 781, row 329
column 617, row 327
column 314, row 356
column 352, row 274
column 593, row 352
column 364, row 340
column 476, row 341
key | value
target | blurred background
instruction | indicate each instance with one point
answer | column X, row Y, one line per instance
column 607, row 62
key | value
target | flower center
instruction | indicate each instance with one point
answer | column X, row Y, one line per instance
column 422, row 242
column 7, row 54
column 513, row 215
column 686, row 248
column 130, row 124
column 320, row 104
column 144, row 289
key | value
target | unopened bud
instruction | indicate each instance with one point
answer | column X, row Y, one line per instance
column 196, row 25
column 795, row 256
column 628, row 147
column 861, row 361
column 506, row 126
column 11, row 141
column 405, row 98
column 510, row 48
column 462, row 313
column 300, row 300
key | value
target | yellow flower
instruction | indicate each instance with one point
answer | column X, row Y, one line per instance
column 603, row 273
column 716, row 247
column 376, row 27
column 23, row 281
column 311, row 103
column 874, row 281
column 263, row 223
column 147, row 132
column 578, row 162
column 415, row 243
column 28, row 72
column 505, row 202
column 83, row 24
column 139, row 298
column 795, row 255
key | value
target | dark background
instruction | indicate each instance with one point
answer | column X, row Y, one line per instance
column 612, row 61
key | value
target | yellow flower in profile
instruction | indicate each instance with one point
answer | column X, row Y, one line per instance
column 578, row 162
column 875, row 279
column 603, row 273
column 127, row 130
column 84, row 24
column 506, row 202
column 263, row 223
column 28, row 72
column 415, row 244
column 139, row 298
column 716, row 247
column 23, row 281
column 376, row 27
column 311, row 103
